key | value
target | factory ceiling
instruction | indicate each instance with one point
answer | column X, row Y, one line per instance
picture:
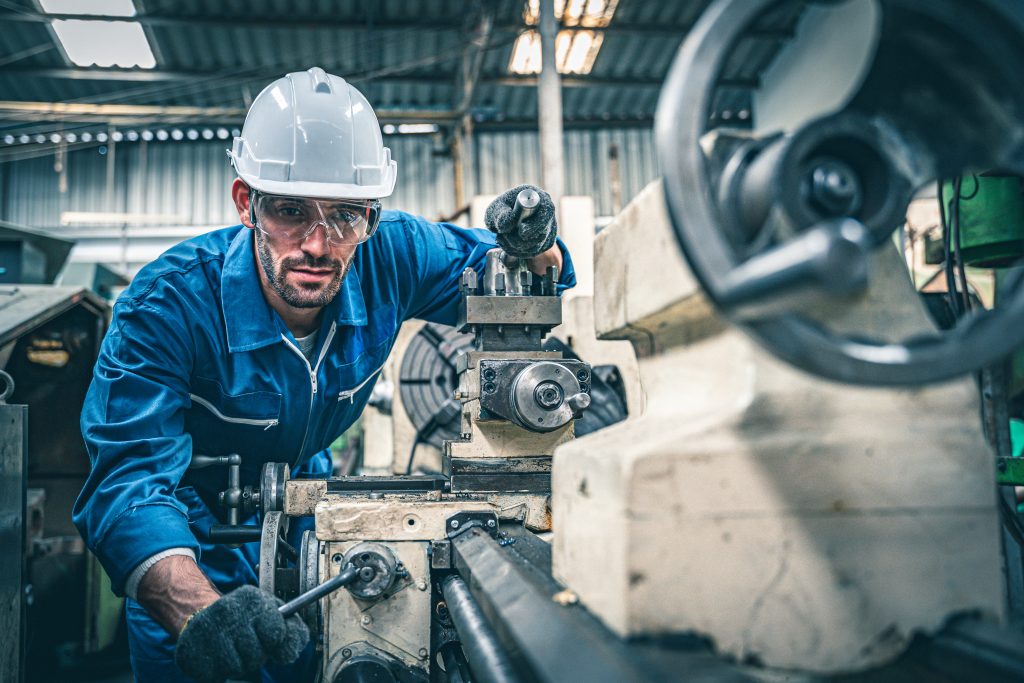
column 417, row 61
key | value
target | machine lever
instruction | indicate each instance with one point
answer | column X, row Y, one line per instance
column 349, row 574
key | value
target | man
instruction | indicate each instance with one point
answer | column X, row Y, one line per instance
column 264, row 340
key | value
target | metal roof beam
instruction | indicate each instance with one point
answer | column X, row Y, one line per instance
column 292, row 21
column 600, row 82
column 431, row 77
column 127, row 113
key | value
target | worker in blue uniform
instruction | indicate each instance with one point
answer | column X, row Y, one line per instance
column 263, row 339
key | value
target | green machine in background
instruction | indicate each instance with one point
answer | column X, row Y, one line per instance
column 991, row 218
column 987, row 219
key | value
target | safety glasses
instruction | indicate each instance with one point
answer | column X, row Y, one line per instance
column 293, row 219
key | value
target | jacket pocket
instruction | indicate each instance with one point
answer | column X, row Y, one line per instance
column 254, row 409
column 374, row 346
column 349, row 394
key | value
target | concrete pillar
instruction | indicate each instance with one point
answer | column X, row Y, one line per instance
column 549, row 105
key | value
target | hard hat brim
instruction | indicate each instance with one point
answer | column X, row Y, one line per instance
column 315, row 190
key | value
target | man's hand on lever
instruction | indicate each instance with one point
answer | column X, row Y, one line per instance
column 526, row 234
column 219, row 637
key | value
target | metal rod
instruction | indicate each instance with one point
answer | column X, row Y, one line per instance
column 527, row 202
column 347, row 576
column 487, row 659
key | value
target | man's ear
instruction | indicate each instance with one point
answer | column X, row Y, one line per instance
column 240, row 195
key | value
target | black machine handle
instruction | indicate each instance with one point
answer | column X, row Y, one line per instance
column 349, row 574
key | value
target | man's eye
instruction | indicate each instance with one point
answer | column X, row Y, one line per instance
column 290, row 211
column 345, row 216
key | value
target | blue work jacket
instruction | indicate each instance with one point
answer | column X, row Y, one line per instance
column 196, row 361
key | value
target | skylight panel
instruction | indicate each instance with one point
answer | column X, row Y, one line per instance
column 576, row 49
column 101, row 43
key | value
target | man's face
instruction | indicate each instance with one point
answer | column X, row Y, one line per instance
column 307, row 274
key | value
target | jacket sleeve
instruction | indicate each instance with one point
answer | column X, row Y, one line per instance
column 438, row 254
column 133, row 425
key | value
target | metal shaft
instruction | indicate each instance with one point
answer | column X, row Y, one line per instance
column 487, row 659
column 347, row 576
column 527, row 202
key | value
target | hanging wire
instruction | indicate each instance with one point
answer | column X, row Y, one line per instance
column 965, row 296
column 947, row 260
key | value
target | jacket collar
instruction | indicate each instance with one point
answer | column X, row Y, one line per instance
column 249, row 320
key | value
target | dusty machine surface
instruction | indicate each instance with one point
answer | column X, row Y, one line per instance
column 816, row 465
column 414, row 408
column 392, row 541
column 811, row 491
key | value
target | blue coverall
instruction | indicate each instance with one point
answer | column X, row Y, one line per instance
column 196, row 361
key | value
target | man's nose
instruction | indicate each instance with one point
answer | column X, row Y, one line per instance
column 315, row 243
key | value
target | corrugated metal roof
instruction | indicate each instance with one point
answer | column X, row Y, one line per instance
column 403, row 53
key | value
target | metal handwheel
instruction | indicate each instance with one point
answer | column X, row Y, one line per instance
column 777, row 222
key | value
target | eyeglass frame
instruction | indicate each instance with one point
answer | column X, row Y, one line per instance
column 374, row 205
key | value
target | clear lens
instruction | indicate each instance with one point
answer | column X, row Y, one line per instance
column 295, row 218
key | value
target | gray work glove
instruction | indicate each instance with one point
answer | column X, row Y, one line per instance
column 534, row 236
column 236, row 635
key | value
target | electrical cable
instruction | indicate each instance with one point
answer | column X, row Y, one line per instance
column 961, row 270
column 947, row 263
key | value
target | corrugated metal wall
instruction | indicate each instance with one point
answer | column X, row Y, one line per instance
column 507, row 159
column 186, row 183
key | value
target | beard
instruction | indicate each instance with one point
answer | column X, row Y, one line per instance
column 313, row 296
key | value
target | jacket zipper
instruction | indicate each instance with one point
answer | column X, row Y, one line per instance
column 351, row 393
column 266, row 424
column 313, row 371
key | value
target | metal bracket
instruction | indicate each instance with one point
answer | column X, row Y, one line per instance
column 440, row 553
column 460, row 522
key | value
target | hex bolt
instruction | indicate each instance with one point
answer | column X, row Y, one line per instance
column 491, row 523
column 548, row 395
column 454, row 524
column 346, row 653
column 366, row 619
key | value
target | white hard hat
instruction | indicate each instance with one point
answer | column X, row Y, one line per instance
column 311, row 134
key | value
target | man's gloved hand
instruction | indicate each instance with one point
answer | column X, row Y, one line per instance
column 533, row 236
column 237, row 634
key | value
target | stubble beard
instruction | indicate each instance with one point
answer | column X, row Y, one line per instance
column 301, row 296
